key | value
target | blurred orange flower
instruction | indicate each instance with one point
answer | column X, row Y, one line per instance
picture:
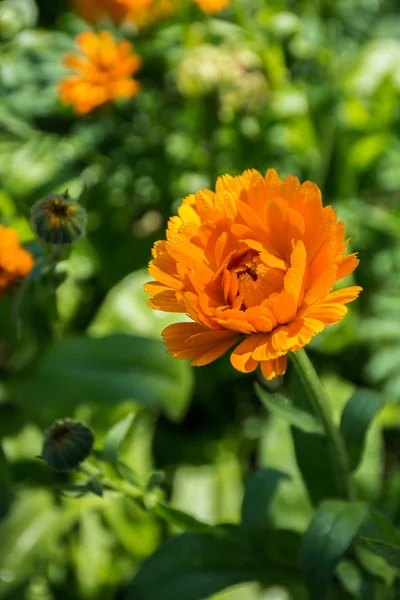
column 104, row 68
column 117, row 10
column 256, row 258
column 159, row 10
column 15, row 262
column 212, row 6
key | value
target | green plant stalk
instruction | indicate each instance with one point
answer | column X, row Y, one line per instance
column 320, row 402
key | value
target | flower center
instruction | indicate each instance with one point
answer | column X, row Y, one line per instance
column 58, row 209
column 245, row 264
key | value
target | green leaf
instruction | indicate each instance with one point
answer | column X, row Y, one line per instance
column 103, row 371
column 314, row 462
column 193, row 567
column 279, row 406
column 5, row 489
column 328, row 536
column 124, row 310
column 357, row 416
column 372, row 564
column 28, row 535
column 386, row 531
column 115, row 438
column 94, row 486
column 181, row 520
column 311, row 449
column 259, row 492
column 156, row 480
column 389, row 552
column 93, row 555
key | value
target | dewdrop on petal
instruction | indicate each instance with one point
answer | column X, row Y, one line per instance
column 58, row 220
column 66, row 444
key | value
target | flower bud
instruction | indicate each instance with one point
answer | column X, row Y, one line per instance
column 66, row 444
column 58, row 220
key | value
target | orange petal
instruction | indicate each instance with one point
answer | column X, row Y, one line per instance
column 347, row 266
column 214, row 352
column 89, row 42
column 344, row 295
column 191, row 340
column 284, row 306
column 274, row 368
column 241, row 357
column 294, row 282
column 327, row 313
column 168, row 302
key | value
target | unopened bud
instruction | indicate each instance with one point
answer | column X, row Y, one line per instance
column 66, row 444
column 58, row 220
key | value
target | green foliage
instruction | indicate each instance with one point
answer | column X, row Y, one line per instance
column 106, row 371
column 330, row 533
column 310, row 88
column 258, row 495
column 357, row 416
column 115, row 438
column 293, row 415
column 194, row 566
column 390, row 553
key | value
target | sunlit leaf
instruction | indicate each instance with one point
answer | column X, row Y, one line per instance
column 181, row 520
column 102, row 372
column 284, row 409
column 193, row 567
column 357, row 416
column 259, row 492
column 330, row 533
column 387, row 551
column 116, row 437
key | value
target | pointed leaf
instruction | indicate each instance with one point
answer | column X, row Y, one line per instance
column 328, row 536
column 385, row 531
column 281, row 407
column 103, row 371
column 194, row 567
column 357, row 416
column 259, row 492
column 389, row 552
column 5, row 488
column 315, row 463
column 181, row 520
column 115, row 438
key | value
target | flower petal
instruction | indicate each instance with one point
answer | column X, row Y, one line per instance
column 274, row 368
column 191, row 340
column 241, row 357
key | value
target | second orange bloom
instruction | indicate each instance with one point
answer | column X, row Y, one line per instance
column 103, row 72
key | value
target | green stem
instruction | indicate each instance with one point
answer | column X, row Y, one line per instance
column 321, row 405
column 123, row 487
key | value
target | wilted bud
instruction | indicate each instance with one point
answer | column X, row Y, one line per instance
column 58, row 220
column 66, row 444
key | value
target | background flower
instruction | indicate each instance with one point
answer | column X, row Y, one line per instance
column 15, row 262
column 104, row 68
column 233, row 72
column 212, row 6
column 117, row 10
column 257, row 257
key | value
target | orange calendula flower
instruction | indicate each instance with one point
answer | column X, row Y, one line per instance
column 212, row 6
column 15, row 262
column 104, row 70
column 117, row 10
column 256, row 258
